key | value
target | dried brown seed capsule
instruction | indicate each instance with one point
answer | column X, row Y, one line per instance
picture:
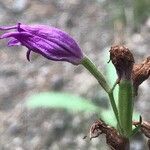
column 140, row 73
column 113, row 139
column 123, row 61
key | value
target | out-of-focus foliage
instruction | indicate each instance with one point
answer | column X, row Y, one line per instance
column 127, row 12
column 69, row 102
column 141, row 10
column 66, row 101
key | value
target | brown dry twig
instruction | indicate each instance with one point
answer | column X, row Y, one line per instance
column 113, row 139
column 123, row 61
column 140, row 73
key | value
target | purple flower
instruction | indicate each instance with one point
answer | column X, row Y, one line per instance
column 50, row 42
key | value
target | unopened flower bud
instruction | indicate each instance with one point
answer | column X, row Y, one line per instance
column 113, row 139
column 50, row 42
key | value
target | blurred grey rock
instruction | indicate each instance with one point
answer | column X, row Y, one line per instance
column 19, row 5
column 8, row 73
column 57, row 82
column 14, row 6
column 14, row 129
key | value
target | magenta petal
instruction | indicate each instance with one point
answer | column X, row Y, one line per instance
column 50, row 42
column 13, row 42
column 15, row 35
column 8, row 28
column 55, row 35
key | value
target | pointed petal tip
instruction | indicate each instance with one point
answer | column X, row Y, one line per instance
column 8, row 27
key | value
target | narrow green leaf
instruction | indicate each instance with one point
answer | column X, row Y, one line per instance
column 66, row 101
column 69, row 102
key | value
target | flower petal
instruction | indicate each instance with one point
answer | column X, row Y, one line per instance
column 50, row 42
column 17, row 35
column 54, row 35
column 13, row 42
column 8, row 28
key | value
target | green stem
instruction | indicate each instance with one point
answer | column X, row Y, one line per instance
column 125, row 107
column 87, row 63
column 114, row 107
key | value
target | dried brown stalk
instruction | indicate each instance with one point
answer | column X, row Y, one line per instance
column 113, row 139
column 140, row 73
column 123, row 61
